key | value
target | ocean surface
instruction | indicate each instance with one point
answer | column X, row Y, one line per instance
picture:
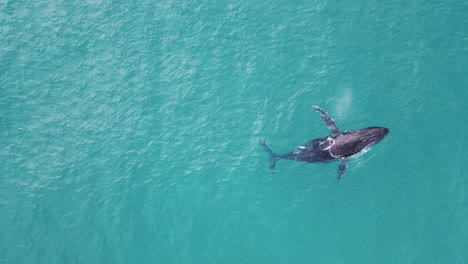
column 129, row 131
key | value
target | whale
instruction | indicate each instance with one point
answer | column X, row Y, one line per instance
column 337, row 146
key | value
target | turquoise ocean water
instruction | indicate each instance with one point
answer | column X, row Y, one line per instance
column 129, row 129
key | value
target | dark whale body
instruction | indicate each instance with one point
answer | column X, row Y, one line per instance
column 336, row 146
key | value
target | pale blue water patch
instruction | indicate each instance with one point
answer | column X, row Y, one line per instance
column 129, row 132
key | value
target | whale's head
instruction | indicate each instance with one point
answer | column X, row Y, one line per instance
column 352, row 142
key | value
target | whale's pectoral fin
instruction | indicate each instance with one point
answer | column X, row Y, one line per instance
column 342, row 167
column 328, row 121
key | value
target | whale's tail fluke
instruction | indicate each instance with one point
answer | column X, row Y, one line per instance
column 273, row 156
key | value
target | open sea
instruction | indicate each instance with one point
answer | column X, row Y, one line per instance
column 129, row 131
